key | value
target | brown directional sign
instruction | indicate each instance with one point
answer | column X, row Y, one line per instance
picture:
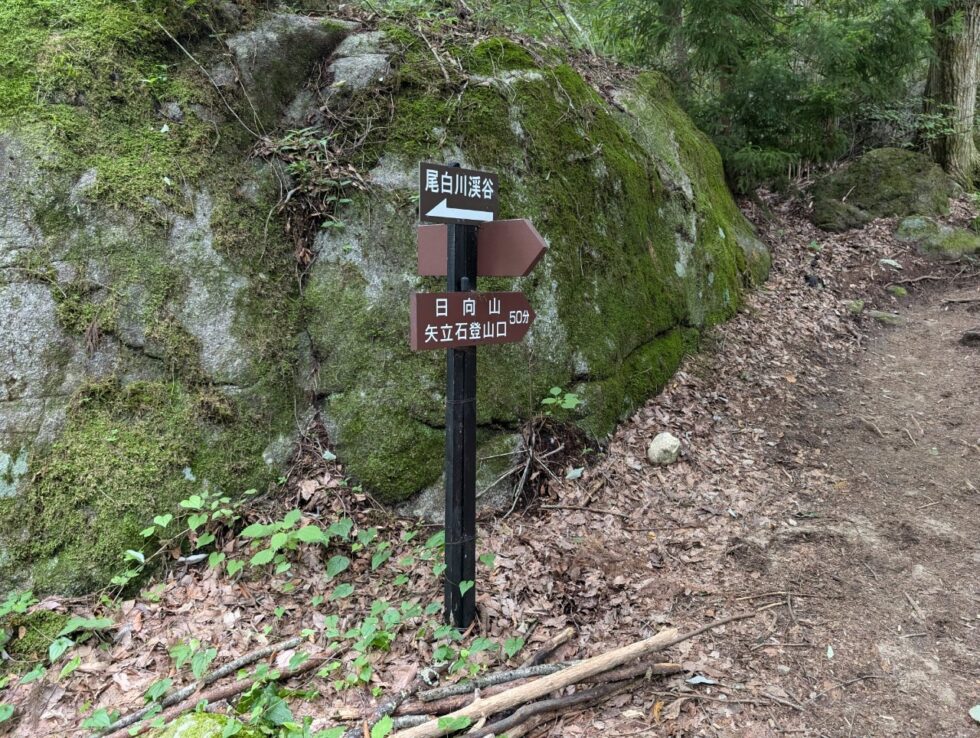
column 504, row 248
column 457, row 319
column 455, row 195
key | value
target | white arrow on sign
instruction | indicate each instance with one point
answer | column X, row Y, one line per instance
column 442, row 210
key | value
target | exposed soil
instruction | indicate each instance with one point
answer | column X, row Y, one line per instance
column 829, row 479
column 887, row 544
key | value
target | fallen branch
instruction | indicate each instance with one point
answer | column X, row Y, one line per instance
column 919, row 614
column 449, row 704
column 918, row 279
column 219, row 694
column 550, row 646
column 389, row 706
column 182, row 694
column 961, row 300
column 645, row 670
column 593, row 510
column 529, row 725
column 871, row 425
column 578, row 699
column 484, row 708
column 489, row 680
column 845, row 685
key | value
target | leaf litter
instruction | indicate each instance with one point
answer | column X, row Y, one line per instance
column 618, row 549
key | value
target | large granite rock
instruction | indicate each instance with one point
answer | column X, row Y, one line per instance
column 882, row 183
column 156, row 336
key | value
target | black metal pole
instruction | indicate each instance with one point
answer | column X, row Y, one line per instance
column 460, row 607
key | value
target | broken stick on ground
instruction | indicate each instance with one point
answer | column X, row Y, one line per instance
column 485, row 708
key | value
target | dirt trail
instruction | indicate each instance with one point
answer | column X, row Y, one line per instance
column 830, row 478
column 862, row 536
column 893, row 550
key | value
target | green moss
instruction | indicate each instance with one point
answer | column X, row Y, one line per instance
column 495, row 55
column 615, row 311
column 386, row 428
column 203, row 725
column 883, row 182
column 119, row 461
column 644, row 373
column 84, row 80
column 579, row 201
column 482, row 122
column 419, row 125
column 956, row 243
column 82, row 91
column 395, row 455
column 32, row 633
column 724, row 252
column 613, row 208
column 78, row 313
column 937, row 239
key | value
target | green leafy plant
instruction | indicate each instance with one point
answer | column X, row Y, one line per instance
column 453, row 724
column 383, row 727
column 513, row 646
column 100, row 719
column 17, row 603
column 558, row 398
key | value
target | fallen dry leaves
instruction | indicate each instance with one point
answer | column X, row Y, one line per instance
column 618, row 553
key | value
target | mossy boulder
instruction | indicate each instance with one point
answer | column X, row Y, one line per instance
column 646, row 248
column 883, row 182
column 157, row 339
column 933, row 238
column 150, row 317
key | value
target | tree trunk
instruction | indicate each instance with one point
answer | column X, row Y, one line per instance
column 680, row 59
column 951, row 88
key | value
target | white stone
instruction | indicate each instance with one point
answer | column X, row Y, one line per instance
column 664, row 449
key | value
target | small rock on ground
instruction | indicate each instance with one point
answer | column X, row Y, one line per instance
column 886, row 318
column 663, row 449
column 971, row 338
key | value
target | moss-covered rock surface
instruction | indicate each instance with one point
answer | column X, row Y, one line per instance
column 883, row 182
column 938, row 239
column 196, row 253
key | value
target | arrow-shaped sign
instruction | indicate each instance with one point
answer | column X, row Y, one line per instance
column 456, row 195
column 442, row 210
column 457, row 319
column 505, row 248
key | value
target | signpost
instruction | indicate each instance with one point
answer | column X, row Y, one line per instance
column 459, row 320
column 504, row 248
column 454, row 195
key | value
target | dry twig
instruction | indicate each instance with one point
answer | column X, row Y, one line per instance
column 219, row 694
column 550, row 646
column 183, row 694
column 484, row 708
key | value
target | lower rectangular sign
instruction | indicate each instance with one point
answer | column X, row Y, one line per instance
column 458, row 319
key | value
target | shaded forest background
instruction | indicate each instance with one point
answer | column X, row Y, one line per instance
column 782, row 86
